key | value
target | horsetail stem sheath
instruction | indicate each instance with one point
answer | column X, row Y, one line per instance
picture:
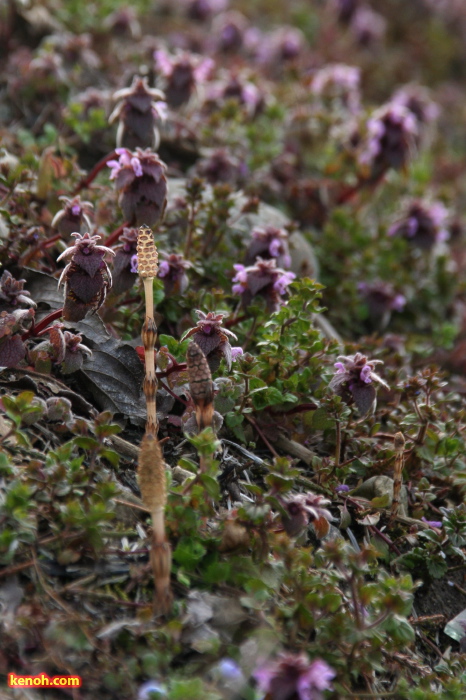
column 399, row 443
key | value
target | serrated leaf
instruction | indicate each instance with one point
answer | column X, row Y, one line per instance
column 321, row 421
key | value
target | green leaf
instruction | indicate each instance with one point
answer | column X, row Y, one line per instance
column 321, row 420
column 189, row 552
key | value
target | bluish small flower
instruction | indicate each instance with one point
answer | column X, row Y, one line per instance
column 432, row 523
column 152, row 690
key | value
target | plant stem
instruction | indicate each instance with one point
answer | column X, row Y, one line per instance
column 338, row 443
column 85, row 182
column 115, row 235
column 36, row 329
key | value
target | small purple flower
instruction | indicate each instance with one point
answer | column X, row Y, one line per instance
column 294, row 677
column 424, row 224
column 367, row 26
column 134, row 264
column 391, row 136
column 73, row 216
column 301, row 509
column 236, row 352
column 172, row 271
column 342, row 488
column 353, row 381
column 263, row 278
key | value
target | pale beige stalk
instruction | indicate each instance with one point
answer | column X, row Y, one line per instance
column 399, row 443
column 151, row 465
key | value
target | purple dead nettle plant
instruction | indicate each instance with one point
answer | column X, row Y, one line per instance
column 172, row 272
column 12, row 326
column 293, row 677
column 392, row 134
column 423, row 224
column 12, row 293
column 62, row 348
column 381, row 299
column 182, row 74
column 222, row 166
column 303, row 508
column 125, row 272
column 140, row 112
column 229, row 29
column 263, row 278
column 74, row 216
column 367, row 26
column 354, row 381
column 86, row 277
column 140, row 178
column 338, row 84
column 202, row 10
column 234, row 86
column 213, row 339
column 417, row 99
column 281, row 46
column 269, row 242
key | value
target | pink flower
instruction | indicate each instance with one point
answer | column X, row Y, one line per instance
column 353, row 381
column 294, row 677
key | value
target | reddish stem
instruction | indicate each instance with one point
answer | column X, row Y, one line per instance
column 36, row 329
column 233, row 321
column 115, row 235
column 173, row 368
column 85, row 182
column 302, row 408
